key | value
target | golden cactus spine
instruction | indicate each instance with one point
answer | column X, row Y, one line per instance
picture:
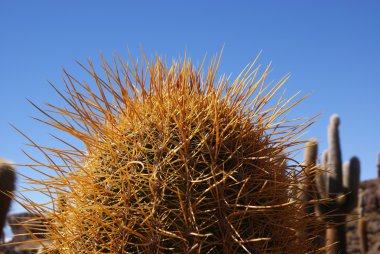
column 175, row 161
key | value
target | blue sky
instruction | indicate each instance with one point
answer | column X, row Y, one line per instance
column 331, row 49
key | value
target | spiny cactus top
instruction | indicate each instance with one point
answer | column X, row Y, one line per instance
column 177, row 160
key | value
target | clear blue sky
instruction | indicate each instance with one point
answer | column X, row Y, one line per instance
column 331, row 48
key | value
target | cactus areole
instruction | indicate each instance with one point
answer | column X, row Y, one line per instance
column 177, row 160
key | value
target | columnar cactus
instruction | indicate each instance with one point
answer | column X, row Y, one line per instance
column 362, row 234
column 310, row 192
column 378, row 165
column 340, row 184
column 310, row 163
column 175, row 162
column 362, row 227
column 7, row 186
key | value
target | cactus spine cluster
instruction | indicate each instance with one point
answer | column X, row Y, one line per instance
column 7, row 186
column 340, row 184
column 175, row 162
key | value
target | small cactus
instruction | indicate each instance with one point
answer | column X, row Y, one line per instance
column 340, row 184
column 175, row 162
column 7, row 186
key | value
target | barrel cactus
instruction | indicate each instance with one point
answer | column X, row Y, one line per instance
column 176, row 160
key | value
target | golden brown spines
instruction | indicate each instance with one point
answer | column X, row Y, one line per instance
column 175, row 162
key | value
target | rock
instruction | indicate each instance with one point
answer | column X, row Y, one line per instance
column 370, row 207
column 22, row 224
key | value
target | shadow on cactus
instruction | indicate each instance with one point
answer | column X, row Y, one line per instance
column 175, row 162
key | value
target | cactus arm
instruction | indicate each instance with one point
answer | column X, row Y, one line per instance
column 309, row 163
column 321, row 180
column 336, row 238
column 310, row 190
column 311, row 153
column 334, row 158
column 351, row 181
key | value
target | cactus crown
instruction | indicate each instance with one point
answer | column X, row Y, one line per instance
column 176, row 162
column 335, row 120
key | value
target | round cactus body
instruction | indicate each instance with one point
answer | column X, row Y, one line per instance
column 175, row 162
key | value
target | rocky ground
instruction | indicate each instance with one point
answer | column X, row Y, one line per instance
column 370, row 191
column 20, row 243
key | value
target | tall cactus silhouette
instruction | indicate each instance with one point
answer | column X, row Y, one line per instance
column 310, row 163
column 340, row 184
column 175, row 162
column 310, row 193
column 7, row 186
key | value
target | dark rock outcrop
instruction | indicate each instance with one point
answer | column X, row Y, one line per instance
column 22, row 224
column 370, row 207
